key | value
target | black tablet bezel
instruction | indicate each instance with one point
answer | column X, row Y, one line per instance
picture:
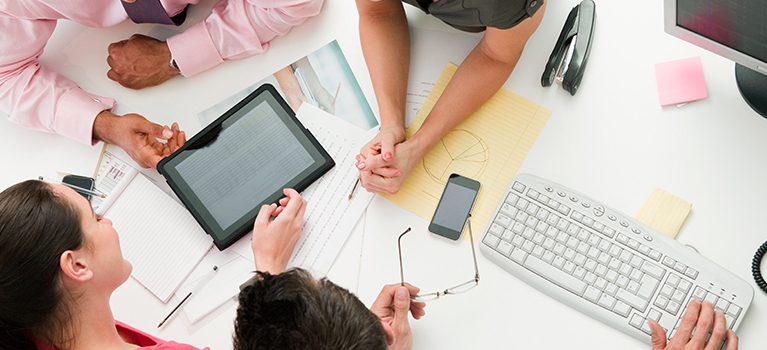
column 223, row 237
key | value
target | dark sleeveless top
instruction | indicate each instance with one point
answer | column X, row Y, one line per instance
column 476, row 15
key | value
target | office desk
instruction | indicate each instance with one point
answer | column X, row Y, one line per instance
column 612, row 141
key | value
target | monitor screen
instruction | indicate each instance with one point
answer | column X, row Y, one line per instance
column 734, row 29
column 740, row 25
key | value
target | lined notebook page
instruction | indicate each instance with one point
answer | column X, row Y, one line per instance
column 489, row 146
column 157, row 234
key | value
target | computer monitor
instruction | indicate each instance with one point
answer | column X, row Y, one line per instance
column 734, row 29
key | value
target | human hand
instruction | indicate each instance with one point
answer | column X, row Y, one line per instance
column 381, row 176
column 702, row 318
column 138, row 136
column 383, row 143
column 276, row 232
column 391, row 306
column 140, row 62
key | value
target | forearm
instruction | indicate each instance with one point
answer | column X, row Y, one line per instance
column 475, row 81
column 385, row 41
column 237, row 29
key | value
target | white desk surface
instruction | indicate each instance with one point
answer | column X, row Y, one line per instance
column 612, row 141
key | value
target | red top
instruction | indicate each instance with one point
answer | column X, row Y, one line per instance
column 143, row 340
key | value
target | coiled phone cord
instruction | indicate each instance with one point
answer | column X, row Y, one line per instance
column 756, row 269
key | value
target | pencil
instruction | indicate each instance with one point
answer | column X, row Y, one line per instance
column 196, row 289
column 356, row 183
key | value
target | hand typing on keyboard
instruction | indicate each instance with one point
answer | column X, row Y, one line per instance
column 707, row 324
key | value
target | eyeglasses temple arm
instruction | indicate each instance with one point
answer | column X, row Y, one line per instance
column 399, row 249
column 473, row 254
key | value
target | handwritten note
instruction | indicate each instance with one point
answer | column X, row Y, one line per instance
column 489, row 146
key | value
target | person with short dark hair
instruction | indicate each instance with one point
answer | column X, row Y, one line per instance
column 292, row 310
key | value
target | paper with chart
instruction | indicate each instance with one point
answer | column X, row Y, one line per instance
column 489, row 146
column 329, row 219
column 158, row 235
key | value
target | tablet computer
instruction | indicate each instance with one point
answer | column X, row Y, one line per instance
column 242, row 160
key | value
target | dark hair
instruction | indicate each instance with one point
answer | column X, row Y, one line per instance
column 36, row 227
column 292, row 310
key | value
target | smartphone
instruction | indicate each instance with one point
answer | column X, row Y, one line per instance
column 454, row 206
column 82, row 182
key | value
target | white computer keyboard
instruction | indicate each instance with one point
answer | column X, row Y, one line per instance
column 604, row 263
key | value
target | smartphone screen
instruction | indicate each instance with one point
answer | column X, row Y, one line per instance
column 454, row 206
column 81, row 182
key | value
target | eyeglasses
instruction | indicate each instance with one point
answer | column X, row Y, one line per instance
column 461, row 288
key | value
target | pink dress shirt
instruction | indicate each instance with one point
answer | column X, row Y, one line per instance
column 37, row 98
column 143, row 340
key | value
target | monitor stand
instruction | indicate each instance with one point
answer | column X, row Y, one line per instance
column 753, row 88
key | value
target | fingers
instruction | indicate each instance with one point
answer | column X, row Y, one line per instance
column 718, row 332
column 703, row 327
column 658, row 336
column 732, row 340
column 264, row 214
column 388, row 141
column 690, row 317
column 401, row 304
column 387, row 172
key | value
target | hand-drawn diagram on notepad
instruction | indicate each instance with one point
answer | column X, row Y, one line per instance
column 489, row 146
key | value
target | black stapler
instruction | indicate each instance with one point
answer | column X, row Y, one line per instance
column 568, row 60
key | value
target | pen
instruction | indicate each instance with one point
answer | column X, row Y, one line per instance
column 76, row 188
column 203, row 281
column 356, row 183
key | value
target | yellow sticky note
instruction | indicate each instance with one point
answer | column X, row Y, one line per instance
column 489, row 147
column 664, row 212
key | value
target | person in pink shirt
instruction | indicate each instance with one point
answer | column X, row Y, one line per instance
column 38, row 98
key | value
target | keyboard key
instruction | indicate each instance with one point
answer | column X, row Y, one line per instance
column 647, row 287
column 491, row 240
column 606, row 301
column 592, row 294
column 692, row 273
column 733, row 310
column 621, row 308
column 554, row 275
column 518, row 186
column 503, row 220
column 509, row 210
column 636, row 321
column 654, row 315
column 631, row 299
column 496, row 229
column 518, row 255
column 668, row 261
column 504, row 248
column 652, row 269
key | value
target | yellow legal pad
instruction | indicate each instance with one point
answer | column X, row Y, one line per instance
column 664, row 212
column 489, row 146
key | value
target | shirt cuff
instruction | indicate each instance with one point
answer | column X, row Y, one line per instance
column 194, row 50
column 76, row 113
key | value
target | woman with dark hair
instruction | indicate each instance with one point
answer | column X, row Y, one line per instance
column 59, row 264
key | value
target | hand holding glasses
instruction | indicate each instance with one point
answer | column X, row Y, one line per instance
column 463, row 287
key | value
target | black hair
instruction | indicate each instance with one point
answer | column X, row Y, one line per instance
column 292, row 310
column 37, row 225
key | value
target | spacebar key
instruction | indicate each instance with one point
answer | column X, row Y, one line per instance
column 555, row 275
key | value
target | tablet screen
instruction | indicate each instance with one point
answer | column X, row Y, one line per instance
column 243, row 160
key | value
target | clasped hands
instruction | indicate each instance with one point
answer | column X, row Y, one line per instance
column 385, row 162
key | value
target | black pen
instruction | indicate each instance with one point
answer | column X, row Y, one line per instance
column 203, row 281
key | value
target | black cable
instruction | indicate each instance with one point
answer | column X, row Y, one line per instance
column 756, row 267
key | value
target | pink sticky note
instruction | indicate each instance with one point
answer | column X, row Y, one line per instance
column 680, row 81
